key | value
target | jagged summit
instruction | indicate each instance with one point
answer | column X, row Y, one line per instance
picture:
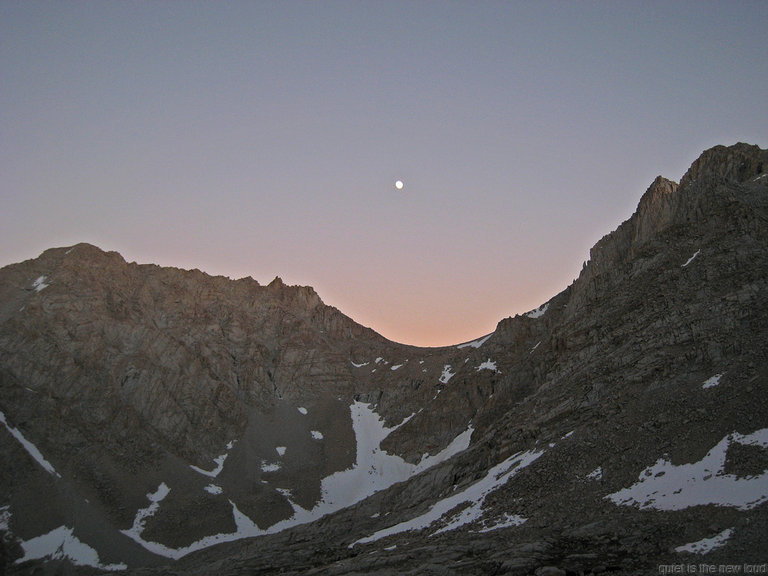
column 738, row 163
column 163, row 421
column 666, row 204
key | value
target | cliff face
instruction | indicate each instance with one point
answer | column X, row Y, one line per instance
column 717, row 183
column 177, row 352
column 246, row 410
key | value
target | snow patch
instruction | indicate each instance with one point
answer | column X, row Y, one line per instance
column 374, row 469
column 505, row 521
column 219, row 460
column 215, row 472
column 280, row 450
column 712, row 382
column 316, row 435
column 596, row 474
column 487, row 365
column 537, row 345
column 29, row 447
column 40, row 284
column 706, row 545
column 475, row 343
column 134, row 532
column 474, row 495
column 691, row 258
column 60, row 543
column 359, row 365
column 270, row 467
column 447, row 374
column 242, row 522
column 5, row 518
column 213, row 489
column 665, row 486
column 302, row 410
column 458, row 444
column 396, row 366
column 538, row 312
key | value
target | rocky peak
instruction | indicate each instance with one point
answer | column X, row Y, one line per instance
column 738, row 163
column 654, row 211
column 666, row 204
column 177, row 351
column 304, row 297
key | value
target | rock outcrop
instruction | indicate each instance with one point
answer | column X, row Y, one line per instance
column 170, row 406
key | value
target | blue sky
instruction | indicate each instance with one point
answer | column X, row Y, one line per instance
column 264, row 138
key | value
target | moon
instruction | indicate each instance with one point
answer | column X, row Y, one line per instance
column 399, row 184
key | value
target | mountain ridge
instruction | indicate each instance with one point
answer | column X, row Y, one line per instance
column 132, row 377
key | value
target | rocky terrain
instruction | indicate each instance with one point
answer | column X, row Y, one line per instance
column 161, row 421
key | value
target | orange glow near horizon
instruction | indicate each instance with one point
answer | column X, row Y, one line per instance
column 267, row 139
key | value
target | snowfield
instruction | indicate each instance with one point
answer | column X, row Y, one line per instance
column 374, row 470
column 665, row 486
column 60, row 543
column 474, row 495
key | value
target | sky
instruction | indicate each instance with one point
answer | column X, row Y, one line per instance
column 264, row 139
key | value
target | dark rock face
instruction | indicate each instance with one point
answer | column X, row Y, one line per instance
column 650, row 366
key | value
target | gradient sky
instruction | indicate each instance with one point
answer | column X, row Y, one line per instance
column 263, row 139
